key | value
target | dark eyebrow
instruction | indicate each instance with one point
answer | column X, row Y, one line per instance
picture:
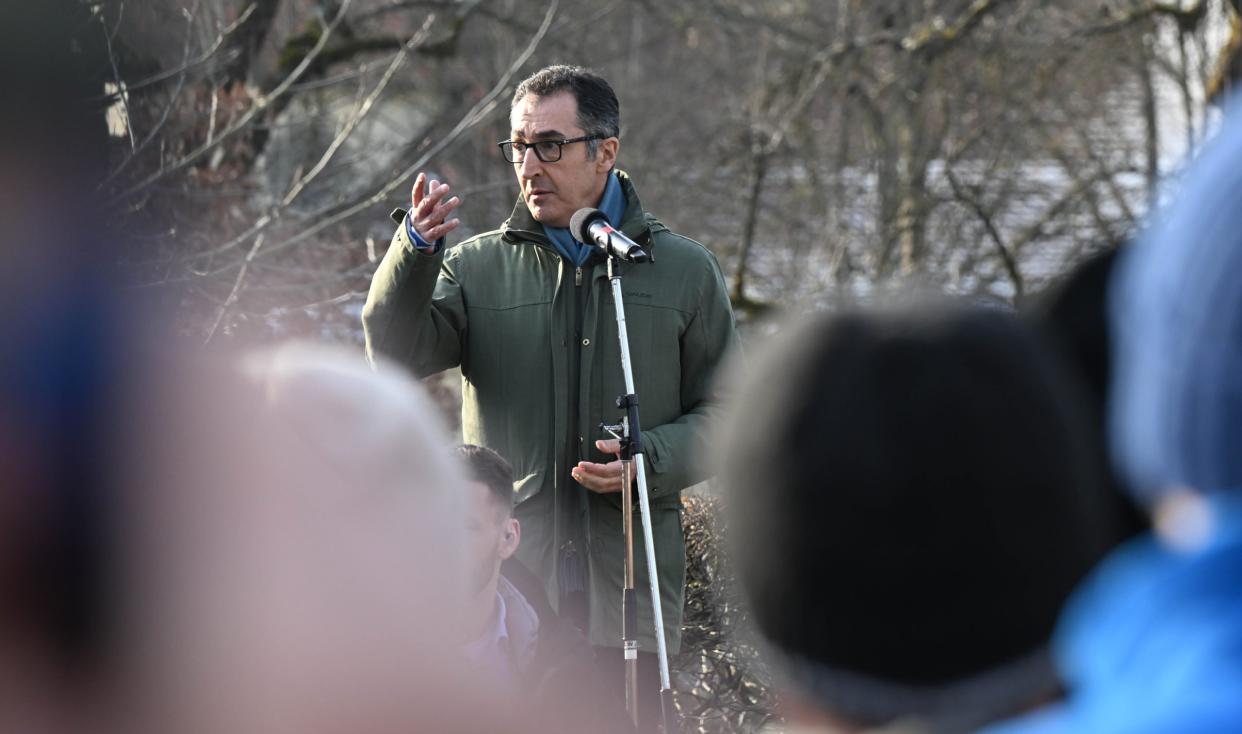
column 545, row 135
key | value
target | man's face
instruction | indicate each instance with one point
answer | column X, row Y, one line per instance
column 493, row 535
column 554, row 191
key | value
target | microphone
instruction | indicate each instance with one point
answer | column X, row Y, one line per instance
column 591, row 226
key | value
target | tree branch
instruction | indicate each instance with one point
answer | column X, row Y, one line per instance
column 261, row 104
column 1006, row 256
column 300, row 185
column 1187, row 18
column 936, row 37
column 367, row 105
column 199, row 60
column 476, row 115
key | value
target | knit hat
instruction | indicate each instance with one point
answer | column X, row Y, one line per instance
column 913, row 495
column 1072, row 315
column 1176, row 417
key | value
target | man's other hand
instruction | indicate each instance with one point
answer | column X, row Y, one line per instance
column 602, row 478
column 430, row 209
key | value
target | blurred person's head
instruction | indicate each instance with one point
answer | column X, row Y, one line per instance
column 913, row 495
column 493, row 531
column 1176, row 313
column 1072, row 314
column 296, row 553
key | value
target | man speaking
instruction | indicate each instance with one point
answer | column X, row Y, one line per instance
column 526, row 311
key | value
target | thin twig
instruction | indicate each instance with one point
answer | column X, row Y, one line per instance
column 211, row 122
column 281, row 310
column 232, row 298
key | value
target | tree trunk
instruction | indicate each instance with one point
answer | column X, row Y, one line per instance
column 910, row 211
column 759, row 171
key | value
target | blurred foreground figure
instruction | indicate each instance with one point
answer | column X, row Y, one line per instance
column 63, row 334
column 276, row 547
column 913, row 495
column 294, row 555
column 1073, row 315
column 186, row 547
column 1153, row 643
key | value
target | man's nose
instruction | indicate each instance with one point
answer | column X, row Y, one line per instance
column 530, row 165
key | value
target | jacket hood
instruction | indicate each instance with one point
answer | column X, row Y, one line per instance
column 1153, row 643
column 1165, row 629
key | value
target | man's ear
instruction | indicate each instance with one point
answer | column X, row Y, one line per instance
column 606, row 155
column 510, row 540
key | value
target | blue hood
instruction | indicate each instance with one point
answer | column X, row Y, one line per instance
column 1153, row 642
column 1176, row 302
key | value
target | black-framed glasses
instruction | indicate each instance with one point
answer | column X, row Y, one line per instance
column 548, row 151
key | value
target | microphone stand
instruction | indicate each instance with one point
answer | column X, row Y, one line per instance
column 629, row 600
column 632, row 465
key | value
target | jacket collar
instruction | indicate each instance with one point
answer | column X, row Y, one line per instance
column 636, row 224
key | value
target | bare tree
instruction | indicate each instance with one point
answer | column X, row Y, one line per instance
column 256, row 146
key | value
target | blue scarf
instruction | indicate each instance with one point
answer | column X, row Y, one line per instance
column 612, row 204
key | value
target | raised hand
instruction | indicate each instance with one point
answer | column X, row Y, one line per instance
column 430, row 209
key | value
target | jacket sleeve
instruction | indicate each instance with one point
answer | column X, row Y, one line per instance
column 675, row 449
column 415, row 313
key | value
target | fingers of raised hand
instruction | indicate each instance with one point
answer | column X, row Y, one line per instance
column 430, row 213
column 438, row 231
column 416, row 193
column 433, row 198
column 609, row 446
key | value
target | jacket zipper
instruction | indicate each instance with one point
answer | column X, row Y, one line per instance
column 575, row 399
column 575, row 439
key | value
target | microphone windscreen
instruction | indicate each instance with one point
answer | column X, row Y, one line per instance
column 581, row 219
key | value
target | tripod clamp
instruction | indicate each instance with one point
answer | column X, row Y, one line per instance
column 627, row 431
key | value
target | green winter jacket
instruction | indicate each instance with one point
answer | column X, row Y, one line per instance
column 536, row 340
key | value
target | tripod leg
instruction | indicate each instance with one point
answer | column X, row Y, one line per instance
column 629, row 598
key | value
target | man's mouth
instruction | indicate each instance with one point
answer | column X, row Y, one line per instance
column 538, row 193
